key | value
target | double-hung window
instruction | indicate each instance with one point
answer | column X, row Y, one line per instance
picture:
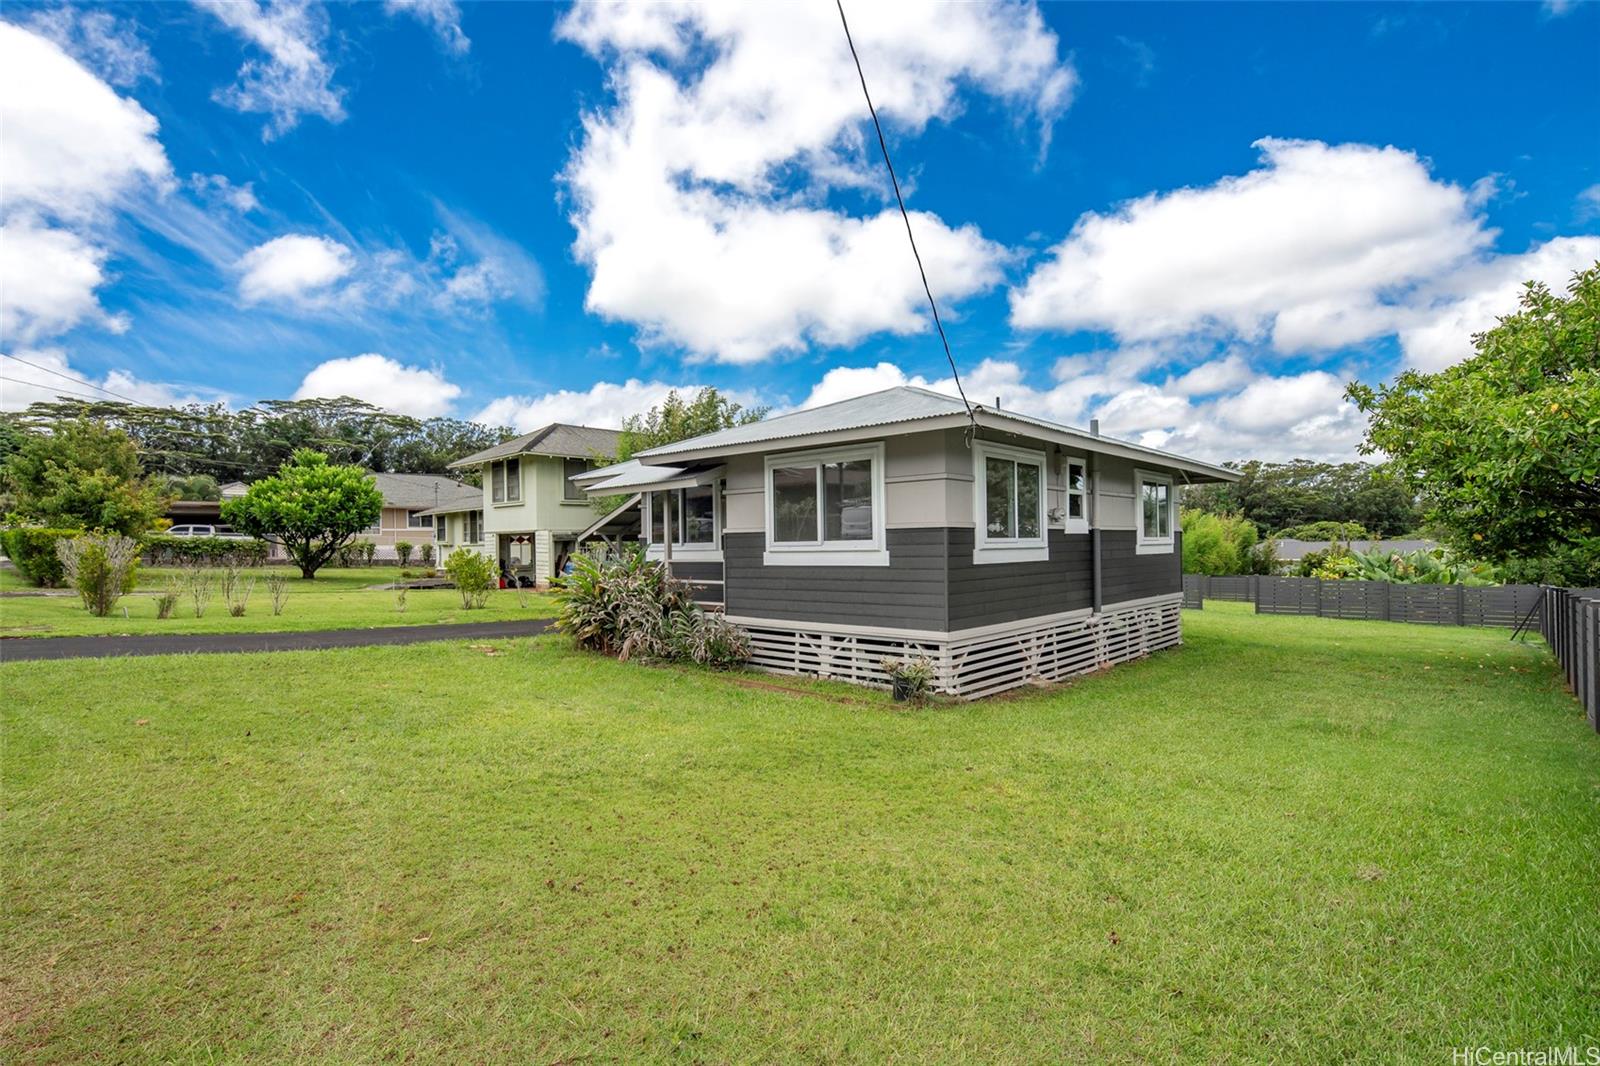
column 505, row 481
column 1077, row 495
column 1157, row 509
column 474, row 527
column 418, row 520
column 441, row 528
column 693, row 512
column 571, row 490
column 826, row 508
column 1009, row 498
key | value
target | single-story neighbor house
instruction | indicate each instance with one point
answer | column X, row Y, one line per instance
column 1289, row 550
column 408, row 503
column 528, row 513
column 1005, row 548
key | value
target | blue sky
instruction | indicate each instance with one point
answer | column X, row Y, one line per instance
column 1194, row 222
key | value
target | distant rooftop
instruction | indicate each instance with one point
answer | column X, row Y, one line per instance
column 416, row 491
column 558, row 439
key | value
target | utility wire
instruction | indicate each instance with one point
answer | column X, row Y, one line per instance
column 55, row 389
column 905, row 215
column 69, row 377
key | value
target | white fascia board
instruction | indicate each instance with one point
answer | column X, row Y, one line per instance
column 806, row 441
column 1024, row 427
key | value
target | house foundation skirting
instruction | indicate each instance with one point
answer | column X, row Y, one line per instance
column 972, row 663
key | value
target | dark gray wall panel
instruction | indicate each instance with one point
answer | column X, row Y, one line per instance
column 1127, row 575
column 688, row 571
column 909, row 593
column 990, row 593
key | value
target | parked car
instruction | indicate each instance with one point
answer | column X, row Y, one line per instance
column 225, row 532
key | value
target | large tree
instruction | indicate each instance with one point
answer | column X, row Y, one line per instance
column 1277, row 496
column 312, row 506
column 675, row 419
column 1504, row 447
column 82, row 475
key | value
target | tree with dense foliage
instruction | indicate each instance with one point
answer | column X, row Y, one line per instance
column 314, row 507
column 675, row 419
column 82, row 475
column 1504, row 447
column 254, row 442
column 1218, row 544
column 1326, row 531
column 1276, row 496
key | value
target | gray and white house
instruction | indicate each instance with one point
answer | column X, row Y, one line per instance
column 1005, row 548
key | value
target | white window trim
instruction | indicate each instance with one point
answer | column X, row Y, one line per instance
column 1154, row 545
column 700, row 553
column 1070, row 524
column 986, row 549
column 873, row 552
column 504, row 465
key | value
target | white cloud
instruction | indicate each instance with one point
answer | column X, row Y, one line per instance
column 217, row 188
column 699, row 198
column 421, row 392
column 1310, row 251
column 1589, row 203
column 605, row 404
column 295, row 267
column 74, row 151
column 1219, row 375
column 441, row 16
column 97, row 39
column 72, row 145
column 293, row 79
column 1474, row 298
column 43, row 375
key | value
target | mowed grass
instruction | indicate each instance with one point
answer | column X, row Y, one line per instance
column 336, row 598
column 1293, row 838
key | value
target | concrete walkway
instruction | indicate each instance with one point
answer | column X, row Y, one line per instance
column 17, row 649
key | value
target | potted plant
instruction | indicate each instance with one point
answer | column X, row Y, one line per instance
column 912, row 676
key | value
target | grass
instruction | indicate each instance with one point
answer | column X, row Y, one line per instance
column 1292, row 838
column 337, row 599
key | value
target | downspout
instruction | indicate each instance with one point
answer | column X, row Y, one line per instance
column 1094, row 518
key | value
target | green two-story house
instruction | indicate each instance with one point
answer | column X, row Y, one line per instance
column 529, row 513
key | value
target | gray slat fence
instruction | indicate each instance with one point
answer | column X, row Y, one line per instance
column 1570, row 624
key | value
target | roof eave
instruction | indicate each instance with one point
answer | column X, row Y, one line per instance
column 1075, row 438
column 807, row 440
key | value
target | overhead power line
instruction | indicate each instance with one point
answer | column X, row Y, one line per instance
column 57, row 390
column 70, row 377
column 904, row 214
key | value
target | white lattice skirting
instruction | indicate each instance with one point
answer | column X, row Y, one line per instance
column 973, row 663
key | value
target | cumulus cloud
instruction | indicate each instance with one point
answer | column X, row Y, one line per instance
column 74, row 151
column 292, row 78
column 443, row 17
column 699, row 197
column 1309, row 251
column 605, row 404
column 218, row 189
column 421, row 392
column 42, row 375
column 97, row 39
column 296, row 267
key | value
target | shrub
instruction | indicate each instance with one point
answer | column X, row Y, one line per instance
column 403, row 550
column 33, row 550
column 912, row 676
column 236, row 589
column 160, row 550
column 400, row 601
column 366, row 549
column 627, row 606
column 278, row 589
column 1403, row 568
column 199, row 583
column 473, row 574
column 101, row 566
column 169, row 597
column 1217, row 544
column 427, row 555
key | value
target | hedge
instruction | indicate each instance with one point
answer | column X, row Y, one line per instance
column 175, row 551
column 33, row 551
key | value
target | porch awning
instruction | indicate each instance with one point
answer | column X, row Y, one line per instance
column 624, row 522
column 635, row 477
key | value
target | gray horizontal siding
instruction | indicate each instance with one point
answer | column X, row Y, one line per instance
column 909, row 593
column 990, row 593
column 1127, row 575
column 696, row 571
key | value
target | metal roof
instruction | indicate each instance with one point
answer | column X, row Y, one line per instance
column 424, row 490
column 558, row 439
column 634, row 476
column 906, row 406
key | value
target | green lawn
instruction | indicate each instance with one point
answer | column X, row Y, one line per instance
column 337, row 598
column 1292, row 839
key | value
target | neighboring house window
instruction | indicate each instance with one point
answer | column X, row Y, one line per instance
column 1010, row 504
column 1156, row 506
column 418, row 520
column 441, row 529
column 1077, row 489
column 474, row 527
column 570, row 490
column 505, row 481
column 694, row 515
column 826, row 508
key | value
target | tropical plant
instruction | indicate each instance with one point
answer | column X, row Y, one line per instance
column 473, row 575
column 912, row 675
column 1436, row 567
column 1217, row 544
column 312, row 506
column 625, row 605
column 1504, row 447
column 707, row 638
column 83, row 475
column 101, row 567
